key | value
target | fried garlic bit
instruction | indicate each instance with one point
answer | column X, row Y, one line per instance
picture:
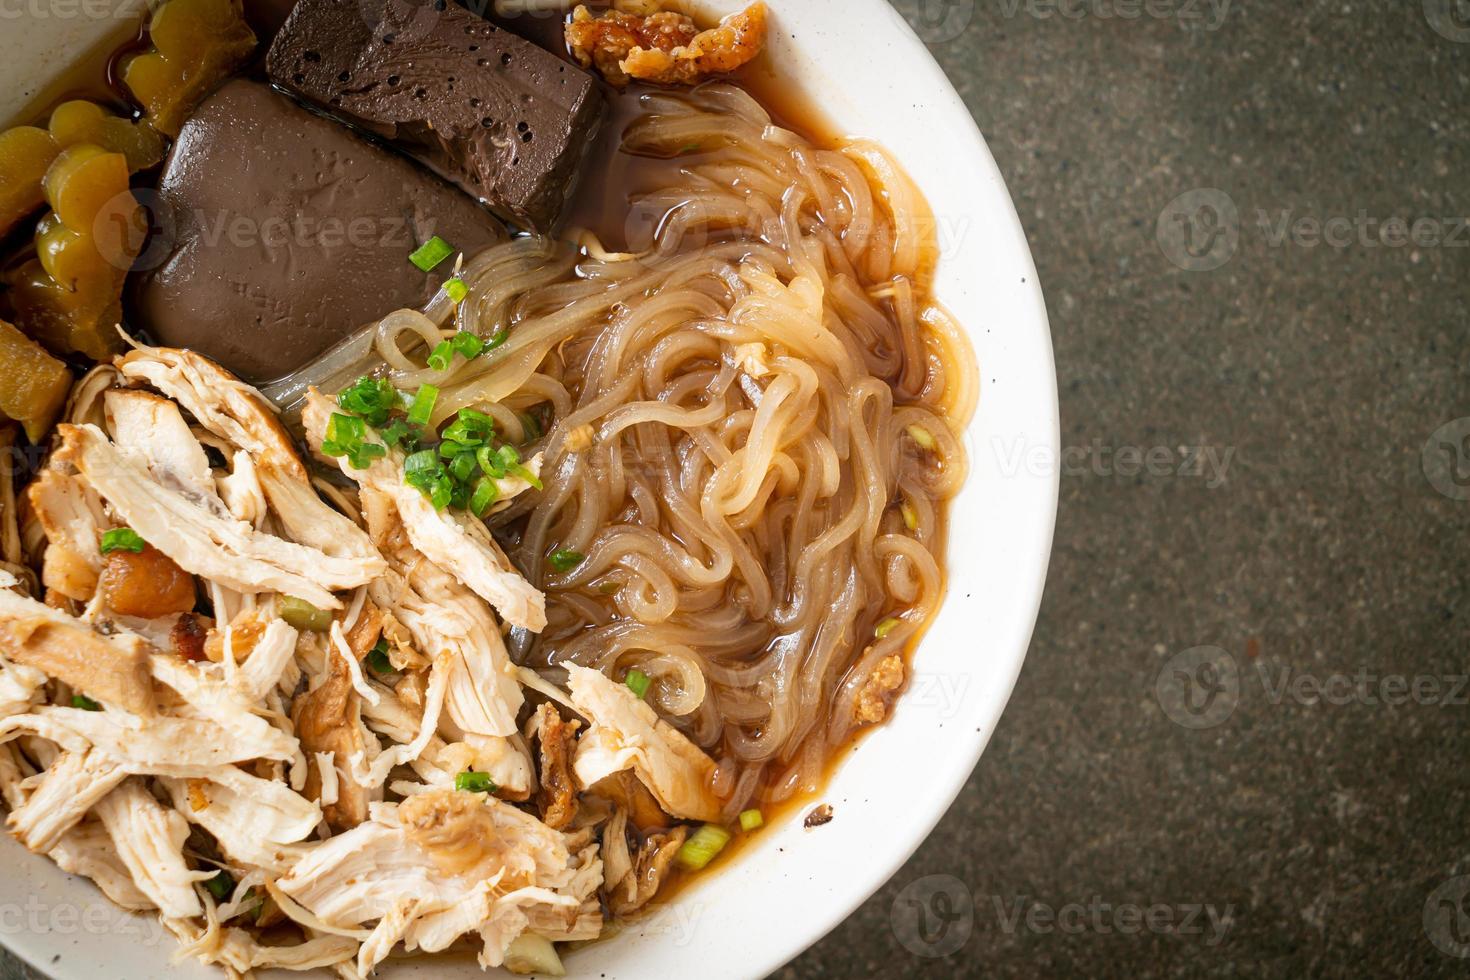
column 664, row 48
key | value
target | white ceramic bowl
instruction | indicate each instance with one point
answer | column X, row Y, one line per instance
column 874, row 78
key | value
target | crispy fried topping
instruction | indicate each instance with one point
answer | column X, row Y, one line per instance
column 558, row 798
column 665, row 48
column 878, row 692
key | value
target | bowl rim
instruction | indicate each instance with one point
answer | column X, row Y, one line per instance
column 964, row 746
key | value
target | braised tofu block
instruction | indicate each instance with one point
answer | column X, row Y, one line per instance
column 279, row 232
column 506, row 121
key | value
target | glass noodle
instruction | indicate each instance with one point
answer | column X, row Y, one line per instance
column 755, row 431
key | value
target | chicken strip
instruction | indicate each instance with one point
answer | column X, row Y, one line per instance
column 237, row 413
column 154, row 430
column 258, row 822
column 448, row 539
column 150, row 843
column 70, row 787
column 223, row 550
column 70, row 513
column 328, row 719
column 436, row 867
column 626, row 733
column 110, row 669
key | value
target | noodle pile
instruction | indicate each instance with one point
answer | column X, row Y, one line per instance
column 754, row 431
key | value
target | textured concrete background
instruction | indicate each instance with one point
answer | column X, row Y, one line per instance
column 1326, row 829
column 1271, row 829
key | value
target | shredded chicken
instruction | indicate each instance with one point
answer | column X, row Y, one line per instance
column 150, row 842
column 109, row 669
column 149, row 746
column 458, row 544
column 223, row 550
column 237, row 413
column 665, row 48
column 435, row 867
column 71, row 516
column 634, row 878
column 628, row 734
column 328, row 720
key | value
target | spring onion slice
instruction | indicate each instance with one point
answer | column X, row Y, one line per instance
column 430, row 253
column 122, row 539
column 699, row 850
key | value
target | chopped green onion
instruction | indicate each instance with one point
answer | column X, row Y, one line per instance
column 220, row 886
column 465, row 433
column 463, row 466
column 377, row 658
column 699, row 850
column 496, row 339
column 474, row 782
column 468, row 345
column 304, row 616
column 532, row 426
column 884, row 628
column 345, row 435
column 395, row 433
column 430, row 253
column 456, row 290
column 85, row 703
column 485, row 495
column 122, row 539
column 637, row 682
column 423, row 462
column 422, row 408
column 564, row 561
column 442, row 493
column 441, row 356
column 922, row 436
column 910, row 516
column 751, row 820
column 372, row 398
column 363, row 456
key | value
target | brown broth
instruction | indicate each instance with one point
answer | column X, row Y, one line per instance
column 601, row 204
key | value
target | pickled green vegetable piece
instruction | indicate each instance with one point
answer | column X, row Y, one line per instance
column 33, row 384
column 69, row 296
column 25, row 153
column 78, row 121
column 195, row 45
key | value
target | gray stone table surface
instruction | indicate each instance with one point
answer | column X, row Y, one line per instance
column 1238, row 745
